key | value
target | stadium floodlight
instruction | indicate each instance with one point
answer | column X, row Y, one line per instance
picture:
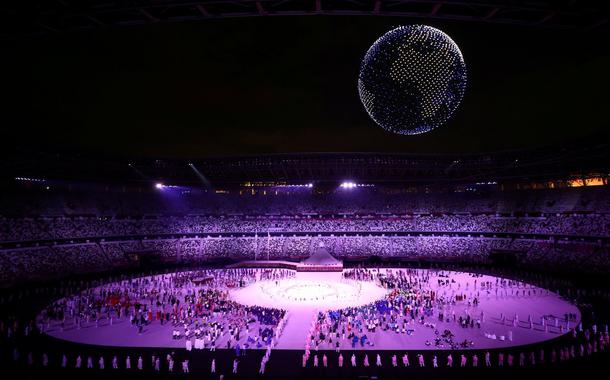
column 348, row 185
column 206, row 183
column 353, row 185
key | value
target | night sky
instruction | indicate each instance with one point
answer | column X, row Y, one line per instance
column 289, row 84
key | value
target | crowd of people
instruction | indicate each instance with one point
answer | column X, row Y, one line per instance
column 421, row 299
column 195, row 303
column 413, row 304
column 50, row 228
column 54, row 234
column 49, row 235
column 582, row 343
column 193, row 297
column 41, row 262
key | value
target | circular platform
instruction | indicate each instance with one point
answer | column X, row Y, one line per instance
column 320, row 290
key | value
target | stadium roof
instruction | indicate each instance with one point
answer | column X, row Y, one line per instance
column 540, row 164
column 59, row 16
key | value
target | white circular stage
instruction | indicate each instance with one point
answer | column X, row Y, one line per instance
column 322, row 291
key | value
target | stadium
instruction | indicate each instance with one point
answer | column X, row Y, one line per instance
column 188, row 192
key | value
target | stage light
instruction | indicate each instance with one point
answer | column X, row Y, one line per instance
column 138, row 172
column 159, row 185
column 206, row 183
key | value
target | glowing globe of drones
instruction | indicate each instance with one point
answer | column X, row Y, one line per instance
column 412, row 79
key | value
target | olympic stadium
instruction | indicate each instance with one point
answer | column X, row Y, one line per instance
column 304, row 189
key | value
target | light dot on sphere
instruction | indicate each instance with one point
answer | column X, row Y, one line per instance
column 412, row 79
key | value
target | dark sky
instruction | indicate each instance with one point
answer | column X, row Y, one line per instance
column 288, row 84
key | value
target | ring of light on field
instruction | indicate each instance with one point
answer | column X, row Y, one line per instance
column 312, row 291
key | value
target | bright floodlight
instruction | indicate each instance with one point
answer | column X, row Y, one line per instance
column 159, row 185
column 412, row 79
column 348, row 185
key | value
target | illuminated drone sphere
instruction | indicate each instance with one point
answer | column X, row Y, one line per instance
column 412, row 79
